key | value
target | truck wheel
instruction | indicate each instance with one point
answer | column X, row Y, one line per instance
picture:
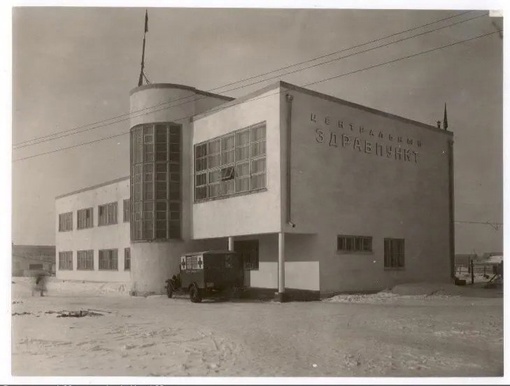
column 169, row 290
column 194, row 294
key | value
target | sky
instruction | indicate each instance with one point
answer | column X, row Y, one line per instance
column 73, row 66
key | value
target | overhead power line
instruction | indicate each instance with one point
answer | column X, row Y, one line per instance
column 404, row 57
column 85, row 128
column 265, row 96
column 348, row 49
column 361, row 52
column 70, row 147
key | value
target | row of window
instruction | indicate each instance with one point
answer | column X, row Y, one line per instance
column 85, row 217
column 107, row 260
column 394, row 249
column 394, row 254
column 231, row 164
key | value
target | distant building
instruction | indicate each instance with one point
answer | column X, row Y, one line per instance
column 29, row 259
column 488, row 255
column 493, row 257
column 319, row 194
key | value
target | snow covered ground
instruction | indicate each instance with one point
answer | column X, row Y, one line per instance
column 412, row 331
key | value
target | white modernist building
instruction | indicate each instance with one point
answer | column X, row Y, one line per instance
column 319, row 194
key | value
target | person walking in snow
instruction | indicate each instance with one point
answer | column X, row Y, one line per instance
column 40, row 284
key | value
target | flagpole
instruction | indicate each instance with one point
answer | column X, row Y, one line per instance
column 146, row 29
column 445, row 118
column 140, row 79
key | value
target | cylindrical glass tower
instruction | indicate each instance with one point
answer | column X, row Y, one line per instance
column 161, row 181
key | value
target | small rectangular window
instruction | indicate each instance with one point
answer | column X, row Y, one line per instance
column 127, row 210
column 108, row 260
column 65, row 261
column 65, row 222
column 85, row 260
column 394, row 253
column 85, row 218
column 127, row 259
column 108, row 214
column 354, row 244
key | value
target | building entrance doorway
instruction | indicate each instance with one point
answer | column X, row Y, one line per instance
column 249, row 250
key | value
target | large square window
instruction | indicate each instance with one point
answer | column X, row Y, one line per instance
column 232, row 164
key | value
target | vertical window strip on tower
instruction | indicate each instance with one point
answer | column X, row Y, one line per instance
column 156, row 181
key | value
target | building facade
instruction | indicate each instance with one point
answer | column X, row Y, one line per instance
column 354, row 199
column 92, row 233
column 317, row 193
